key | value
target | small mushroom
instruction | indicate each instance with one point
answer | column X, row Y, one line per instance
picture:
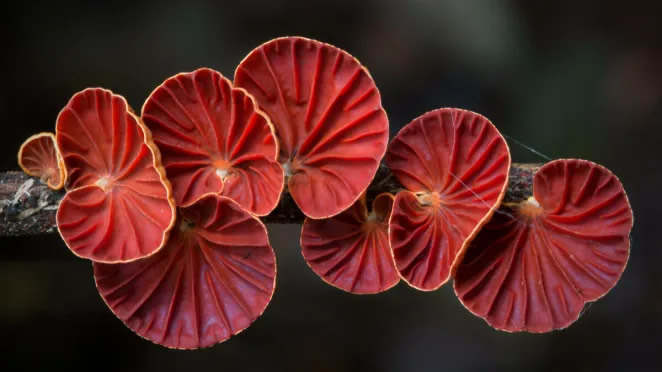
column 118, row 206
column 213, row 278
column 39, row 157
column 535, row 266
column 454, row 166
column 328, row 116
column 350, row 251
column 213, row 138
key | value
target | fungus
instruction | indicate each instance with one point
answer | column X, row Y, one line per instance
column 351, row 251
column 328, row 116
column 534, row 268
column 213, row 278
column 39, row 157
column 118, row 206
column 454, row 166
column 213, row 138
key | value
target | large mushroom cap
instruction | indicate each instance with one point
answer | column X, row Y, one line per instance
column 215, row 276
column 118, row 206
column 534, row 268
column 213, row 138
column 351, row 250
column 454, row 165
column 39, row 157
column 328, row 116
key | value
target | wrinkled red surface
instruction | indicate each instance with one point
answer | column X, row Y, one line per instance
column 455, row 165
column 535, row 274
column 215, row 276
column 327, row 112
column 38, row 157
column 350, row 250
column 118, row 207
column 202, row 125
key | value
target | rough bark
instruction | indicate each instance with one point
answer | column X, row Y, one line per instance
column 28, row 207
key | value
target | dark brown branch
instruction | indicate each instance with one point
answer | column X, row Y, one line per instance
column 27, row 206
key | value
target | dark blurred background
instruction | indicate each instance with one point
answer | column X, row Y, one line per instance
column 570, row 79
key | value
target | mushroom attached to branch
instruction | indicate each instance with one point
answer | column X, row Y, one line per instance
column 535, row 266
column 328, row 116
column 39, row 157
column 350, row 251
column 213, row 138
column 118, row 206
column 454, row 166
column 213, row 278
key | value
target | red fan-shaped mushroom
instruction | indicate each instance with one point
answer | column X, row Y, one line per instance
column 534, row 268
column 213, row 138
column 351, row 250
column 118, row 206
column 454, row 164
column 39, row 157
column 327, row 112
column 215, row 276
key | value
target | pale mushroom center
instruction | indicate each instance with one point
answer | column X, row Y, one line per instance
column 222, row 169
column 429, row 198
column 103, row 183
column 372, row 222
column 291, row 166
column 287, row 167
column 222, row 173
column 530, row 207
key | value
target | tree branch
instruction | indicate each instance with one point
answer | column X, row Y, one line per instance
column 28, row 207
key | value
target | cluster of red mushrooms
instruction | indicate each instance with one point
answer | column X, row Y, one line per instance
column 166, row 203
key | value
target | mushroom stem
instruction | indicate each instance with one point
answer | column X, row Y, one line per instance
column 103, row 183
column 287, row 168
column 222, row 173
column 42, row 221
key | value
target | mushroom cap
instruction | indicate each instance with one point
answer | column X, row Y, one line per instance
column 454, row 165
column 213, row 138
column 118, row 207
column 328, row 116
column 39, row 157
column 534, row 268
column 350, row 251
column 215, row 276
